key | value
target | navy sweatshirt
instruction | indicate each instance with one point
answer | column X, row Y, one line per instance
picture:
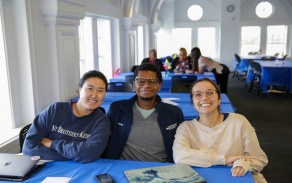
column 74, row 138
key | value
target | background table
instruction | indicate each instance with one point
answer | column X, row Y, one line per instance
column 275, row 73
column 167, row 80
column 85, row 173
column 181, row 100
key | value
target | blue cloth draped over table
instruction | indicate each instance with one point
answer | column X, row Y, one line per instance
column 244, row 64
column 166, row 84
column 182, row 100
column 274, row 73
column 80, row 172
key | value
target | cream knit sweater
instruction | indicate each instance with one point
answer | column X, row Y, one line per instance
column 199, row 145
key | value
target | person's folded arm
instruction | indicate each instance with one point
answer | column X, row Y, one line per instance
column 85, row 151
column 253, row 150
column 184, row 153
column 32, row 145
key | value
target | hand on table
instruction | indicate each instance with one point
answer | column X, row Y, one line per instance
column 46, row 142
column 242, row 161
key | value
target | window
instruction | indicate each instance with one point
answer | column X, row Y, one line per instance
column 5, row 107
column 140, row 44
column 86, row 45
column 264, row 9
column 182, row 37
column 104, row 47
column 95, row 46
column 195, row 12
column 276, row 40
column 250, row 40
column 207, row 41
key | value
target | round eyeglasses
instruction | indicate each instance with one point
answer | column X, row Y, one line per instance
column 199, row 94
column 142, row 81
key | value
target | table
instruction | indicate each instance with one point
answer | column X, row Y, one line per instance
column 85, row 173
column 276, row 73
column 167, row 80
column 244, row 64
column 181, row 100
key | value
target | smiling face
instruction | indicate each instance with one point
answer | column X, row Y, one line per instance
column 147, row 92
column 206, row 104
column 92, row 94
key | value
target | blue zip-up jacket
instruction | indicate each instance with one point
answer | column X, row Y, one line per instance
column 121, row 117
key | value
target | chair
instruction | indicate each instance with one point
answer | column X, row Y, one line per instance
column 238, row 60
column 180, row 88
column 22, row 135
column 257, row 70
column 183, row 79
column 238, row 69
column 119, row 87
column 283, row 57
column 134, row 68
column 269, row 58
column 129, row 79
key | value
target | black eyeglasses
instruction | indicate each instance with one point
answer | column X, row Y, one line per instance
column 209, row 93
column 142, row 81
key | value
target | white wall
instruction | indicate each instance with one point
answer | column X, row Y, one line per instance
column 164, row 35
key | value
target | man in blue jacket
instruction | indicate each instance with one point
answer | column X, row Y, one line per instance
column 143, row 127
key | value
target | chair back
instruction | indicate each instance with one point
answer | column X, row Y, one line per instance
column 251, row 64
column 119, row 87
column 283, row 57
column 257, row 68
column 22, row 135
column 183, row 79
column 134, row 68
column 237, row 58
column 129, row 79
column 180, row 88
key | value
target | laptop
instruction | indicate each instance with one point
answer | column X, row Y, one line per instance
column 18, row 167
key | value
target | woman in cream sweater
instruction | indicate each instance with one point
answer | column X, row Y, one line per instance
column 216, row 138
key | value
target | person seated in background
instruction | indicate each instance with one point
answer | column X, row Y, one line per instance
column 201, row 63
column 75, row 131
column 182, row 63
column 215, row 138
column 143, row 127
column 152, row 59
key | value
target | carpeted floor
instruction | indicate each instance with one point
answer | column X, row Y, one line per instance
column 271, row 116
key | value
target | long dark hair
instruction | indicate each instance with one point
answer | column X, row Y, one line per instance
column 195, row 55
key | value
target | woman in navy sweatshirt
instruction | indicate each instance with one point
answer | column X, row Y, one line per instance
column 75, row 131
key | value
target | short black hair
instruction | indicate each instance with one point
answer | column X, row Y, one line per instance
column 201, row 80
column 93, row 74
column 148, row 67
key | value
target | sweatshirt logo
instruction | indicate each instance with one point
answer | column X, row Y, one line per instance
column 170, row 127
column 63, row 131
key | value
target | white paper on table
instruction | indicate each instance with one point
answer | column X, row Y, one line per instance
column 56, row 180
column 169, row 100
column 40, row 162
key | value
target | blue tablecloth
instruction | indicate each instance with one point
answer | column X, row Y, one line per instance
column 244, row 64
column 179, row 97
column 85, row 173
column 166, row 84
column 182, row 100
column 275, row 74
